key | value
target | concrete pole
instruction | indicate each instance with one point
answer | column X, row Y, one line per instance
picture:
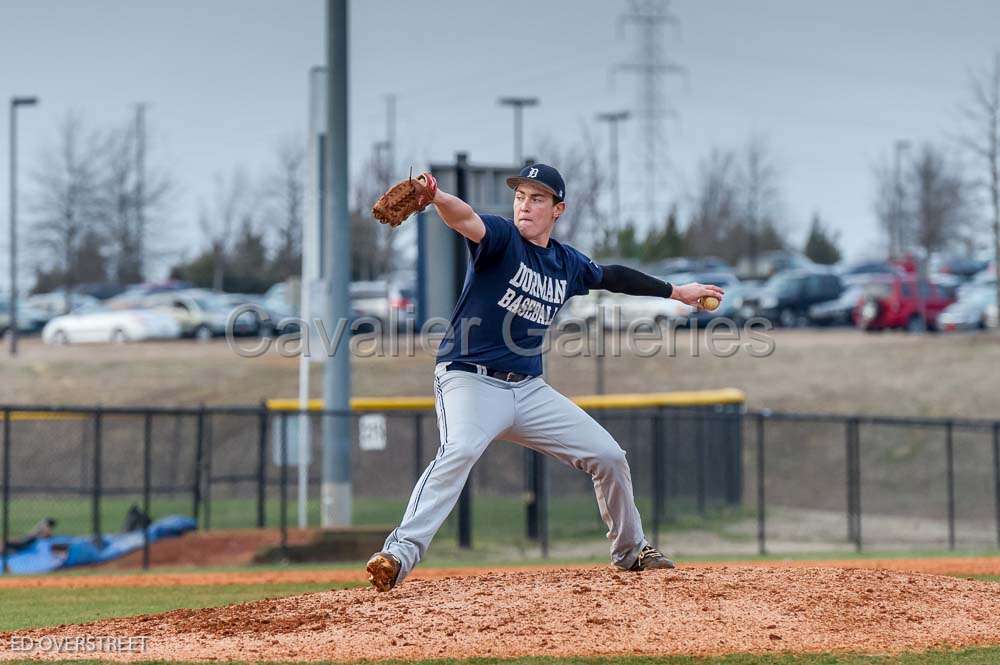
column 336, row 477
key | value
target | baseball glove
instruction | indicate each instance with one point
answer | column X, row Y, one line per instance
column 405, row 198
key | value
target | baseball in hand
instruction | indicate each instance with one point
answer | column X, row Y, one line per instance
column 708, row 302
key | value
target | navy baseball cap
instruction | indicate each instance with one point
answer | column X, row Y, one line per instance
column 540, row 174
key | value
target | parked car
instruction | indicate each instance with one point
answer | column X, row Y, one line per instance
column 785, row 299
column 975, row 309
column 840, row 310
column 249, row 322
column 865, row 271
column 56, row 302
column 962, row 268
column 770, row 264
column 895, row 303
column 598, row 303
column 683, row 264
column 982, row 278
column 200, row 314
column 371, row 298
column 29, row 319
column 96, row 323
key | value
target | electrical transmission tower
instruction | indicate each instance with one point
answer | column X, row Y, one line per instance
column 649, row 17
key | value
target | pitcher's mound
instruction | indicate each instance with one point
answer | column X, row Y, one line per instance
column 596, row 611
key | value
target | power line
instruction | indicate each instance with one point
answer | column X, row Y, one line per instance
column 651, row 66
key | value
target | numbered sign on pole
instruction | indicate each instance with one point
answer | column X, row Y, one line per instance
column 372, row 431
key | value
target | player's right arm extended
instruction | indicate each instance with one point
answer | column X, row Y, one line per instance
column 459, row 215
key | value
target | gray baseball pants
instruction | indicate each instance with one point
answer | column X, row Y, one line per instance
column 472, row 411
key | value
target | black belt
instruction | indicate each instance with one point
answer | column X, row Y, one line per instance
column 512, row 377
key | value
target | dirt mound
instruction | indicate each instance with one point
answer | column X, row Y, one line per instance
column 596, row 611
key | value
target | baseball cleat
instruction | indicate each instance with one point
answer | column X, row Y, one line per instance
column 383, row 569
column 651, row 559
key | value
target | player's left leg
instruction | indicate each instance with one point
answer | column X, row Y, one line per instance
column 547, row 421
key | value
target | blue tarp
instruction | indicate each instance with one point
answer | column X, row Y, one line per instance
column 48, row 554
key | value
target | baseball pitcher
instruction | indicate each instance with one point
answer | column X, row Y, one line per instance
column 488, row 378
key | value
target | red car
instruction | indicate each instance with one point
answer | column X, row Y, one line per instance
column 894, row 302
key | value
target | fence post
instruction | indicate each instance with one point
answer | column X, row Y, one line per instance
column 950, row 450
column 856, row 480
column 284, row 485
column 465, row 514
column 147, row 438
column 6, row 487
column 532, row 459
column 761, row 518
column 657, row 469
column 701, row 462
column 734, row 452
column 206, row 494
column 418, row 446
column 849, row 475
column 542, row 503
column 996, row 476
column 262, row 466
column 199, row 443
column 96, row 495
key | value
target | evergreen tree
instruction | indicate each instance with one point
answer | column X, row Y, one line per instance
column 821, row 245
column 664, row 243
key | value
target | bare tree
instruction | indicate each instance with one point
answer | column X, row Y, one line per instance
column 372, row 243
column 66, row 203
column 939, row 202
column 285, row 192
column 232, row 204
column 982, row 113
column 891, row 205
column 130, row 196
column 587, row 183
column 760, row 200
column 715, row 204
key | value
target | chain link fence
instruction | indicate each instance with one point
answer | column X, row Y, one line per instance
column 709, row 480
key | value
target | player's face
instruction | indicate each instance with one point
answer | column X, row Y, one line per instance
column 535, row 212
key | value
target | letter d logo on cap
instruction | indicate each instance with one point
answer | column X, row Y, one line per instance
column 533, row 173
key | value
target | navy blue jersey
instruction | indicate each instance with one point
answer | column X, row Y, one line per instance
column 512, row 291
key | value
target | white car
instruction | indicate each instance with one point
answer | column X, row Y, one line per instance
column 99, row 324
column 371, row 299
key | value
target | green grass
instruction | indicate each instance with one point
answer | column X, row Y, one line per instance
column 981, row 656
column 38, row 607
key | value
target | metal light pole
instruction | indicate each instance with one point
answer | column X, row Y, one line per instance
column 14, row 103
column 613, row 119
column 616, row 224
column 518, row 103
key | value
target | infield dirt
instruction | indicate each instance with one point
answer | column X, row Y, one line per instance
column 584, row 611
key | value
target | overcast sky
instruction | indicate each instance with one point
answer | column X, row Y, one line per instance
column 831, row 85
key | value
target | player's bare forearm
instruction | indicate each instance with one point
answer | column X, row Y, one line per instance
column 689, row 293
column 459, row 215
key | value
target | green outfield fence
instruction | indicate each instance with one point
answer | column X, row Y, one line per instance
column 708, row 476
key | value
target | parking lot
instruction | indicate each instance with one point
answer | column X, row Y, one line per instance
column 823, row 370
